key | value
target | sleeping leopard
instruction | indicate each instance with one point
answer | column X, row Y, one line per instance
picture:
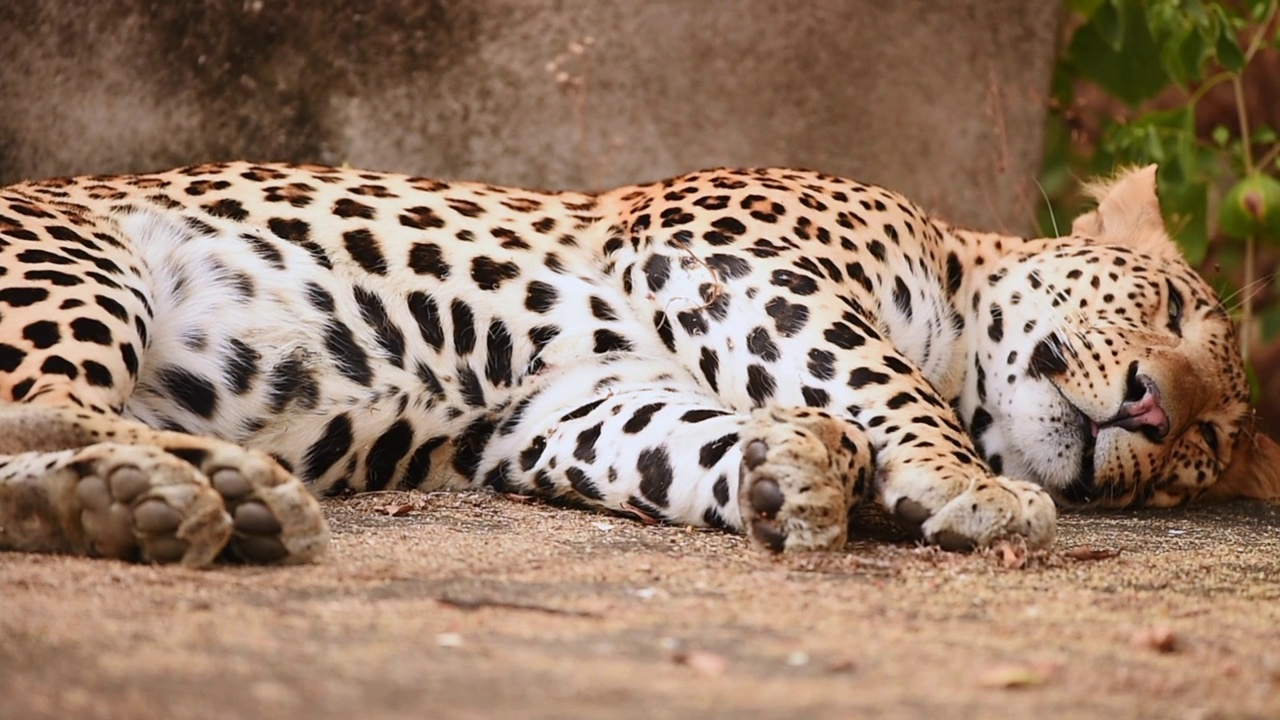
column 189, row 358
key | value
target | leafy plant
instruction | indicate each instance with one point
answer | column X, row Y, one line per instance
column 1156, row 60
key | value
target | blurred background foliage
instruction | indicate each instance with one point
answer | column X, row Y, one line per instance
column 1195, row 87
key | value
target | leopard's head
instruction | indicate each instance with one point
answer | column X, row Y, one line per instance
column 1108, row 371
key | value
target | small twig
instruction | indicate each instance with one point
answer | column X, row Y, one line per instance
column 478, row 603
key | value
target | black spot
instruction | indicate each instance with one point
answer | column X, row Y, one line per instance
column 540, row 297
column 425, row 311
column 470, row 446
column 227, row 208
column 334, row 443
column 866, row 376
column 292, row 380
column 697, row 416
column 655, row 475
column 797, row 283
column 464, row 327
column 298, row 232
column 760, row 384
column 499, row 477
column 97, row 374
column 23, row 296
column 489, row 274
column 421, row 218
column 115, row 309
column 419, row 468
column 582, row 484
column 601, row 310
column 472, row 390
column 348, row 208
column 902, row 297
column 531, row 454
column 242, row 366
column 899, row 400
column 843, row 336
column 1048, row 358
column 729, row 225
column 347, row 354
column 815, row 397
column 42, row 334
column 497, row 366
column 320, row 299
column 789, row 318
column 58, row 365
column 581, row 411
column 709, row 363
column 693, row 322
column 387, row 452
column 34, row 257
column 53, row 277
column 877, row 250
column 428, row 259
column 585, row 446
column 365, row 250
column 429, row 380
column 191, row 391
column 995, row 330
column 822, row 364
column 609, row 341
column 640, row 419
column 657, row 270
column 374, row 313
column 729, row 267
column 712, row 452
column 662, row 324
column 761, row 345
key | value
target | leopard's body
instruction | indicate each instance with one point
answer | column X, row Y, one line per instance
column 755, row 350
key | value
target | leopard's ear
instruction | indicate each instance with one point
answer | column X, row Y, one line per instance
column 1254, row 471
column 1128, row 214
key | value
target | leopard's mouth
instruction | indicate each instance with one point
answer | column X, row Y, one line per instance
column 1083, row 489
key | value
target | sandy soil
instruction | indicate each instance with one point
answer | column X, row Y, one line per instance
column 470, row 606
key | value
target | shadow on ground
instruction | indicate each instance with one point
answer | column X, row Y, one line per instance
column 470, row 605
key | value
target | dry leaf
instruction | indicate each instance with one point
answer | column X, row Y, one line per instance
column 398, row 510
column 1015, row 676
column 702, row 662
column 1084, row 552
column 1157, row 637
column 1012, row 557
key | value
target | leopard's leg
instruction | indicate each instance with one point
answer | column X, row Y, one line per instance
column 637, row 436
column 822, row 347
column 74, row 475
column 81, row 482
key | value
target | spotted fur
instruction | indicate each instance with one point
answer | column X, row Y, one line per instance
column 749, row 349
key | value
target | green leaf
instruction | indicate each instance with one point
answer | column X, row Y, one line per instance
column 1109, row 22
column 1132, row 75
column 1230, row 56
column 1264, row 135
column 1221, row 135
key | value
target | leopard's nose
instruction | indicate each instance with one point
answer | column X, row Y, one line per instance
column 1141, row 410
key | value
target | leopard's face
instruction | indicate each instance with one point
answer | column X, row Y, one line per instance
column 1109, row 375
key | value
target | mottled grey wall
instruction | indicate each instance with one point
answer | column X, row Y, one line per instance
column 943, row 99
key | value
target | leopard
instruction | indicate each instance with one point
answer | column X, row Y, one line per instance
column 191, row 359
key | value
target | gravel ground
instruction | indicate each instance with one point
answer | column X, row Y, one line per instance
column 469, row 605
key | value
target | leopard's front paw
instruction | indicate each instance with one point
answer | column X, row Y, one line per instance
column 991, row 509
column 275, row 518
column 140, row 502
column 802, row 471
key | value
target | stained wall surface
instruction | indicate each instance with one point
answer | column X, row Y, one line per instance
column 942, row 99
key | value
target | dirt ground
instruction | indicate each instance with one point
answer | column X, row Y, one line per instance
column 471, row 606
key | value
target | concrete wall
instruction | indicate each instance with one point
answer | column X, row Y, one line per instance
column 942, row 99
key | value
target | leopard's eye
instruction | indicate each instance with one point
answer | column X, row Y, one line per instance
column 1210, row 434
column 1175, row 309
